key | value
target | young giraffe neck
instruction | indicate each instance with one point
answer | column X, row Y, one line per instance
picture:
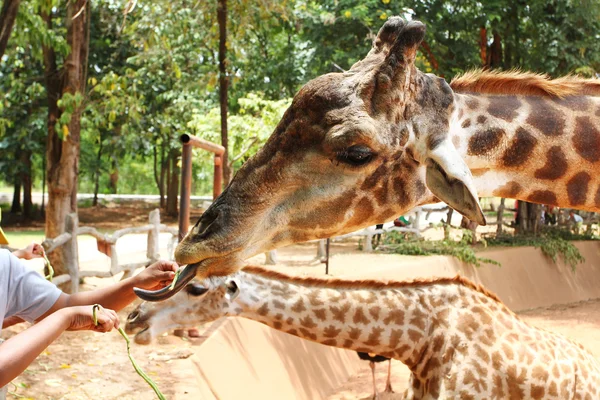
column 534, row 148
column 401, row 322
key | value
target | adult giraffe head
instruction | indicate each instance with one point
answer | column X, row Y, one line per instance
column 354, row 149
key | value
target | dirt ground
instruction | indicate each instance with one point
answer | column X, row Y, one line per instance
column 86, row 365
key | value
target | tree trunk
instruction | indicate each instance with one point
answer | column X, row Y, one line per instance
column 113, row 179
column 495, row 55
column 223, row 83
column 63, row 154
column 160, row 169
column 483, row 46
column 173, row 185
column 26, row 182
column 7, row 20
column 97, row 174
column 15, row 207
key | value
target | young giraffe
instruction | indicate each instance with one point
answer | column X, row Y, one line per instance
column 364, row 146
column 458, row 340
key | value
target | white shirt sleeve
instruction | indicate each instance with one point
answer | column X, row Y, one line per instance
column 27, row 294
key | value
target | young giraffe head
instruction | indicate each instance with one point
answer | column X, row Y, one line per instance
column 197, row 304
column 354, row 149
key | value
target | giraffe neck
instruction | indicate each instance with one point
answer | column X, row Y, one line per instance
column 393, row 322
column 532, row 148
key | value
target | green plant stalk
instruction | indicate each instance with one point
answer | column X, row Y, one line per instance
column 177, row 273
column 50, row 269
column 137, row 368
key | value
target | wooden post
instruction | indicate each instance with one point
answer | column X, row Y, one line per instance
column 185, row 192
column 71, row 252
column 218, row 177
column 368, row 247
column 500, row 218
column 321, row 249
column 448, row 223
column 271, row 257
column 153, row 250
column 327, row 256
column 190, row 141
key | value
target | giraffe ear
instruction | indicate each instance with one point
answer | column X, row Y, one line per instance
column 232, row 289
column 449, row 179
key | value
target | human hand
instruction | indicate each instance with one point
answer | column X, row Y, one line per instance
column 81, row 318
column 157, row 275
column 34, row 250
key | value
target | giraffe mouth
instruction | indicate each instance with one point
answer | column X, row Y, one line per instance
column 187, row 274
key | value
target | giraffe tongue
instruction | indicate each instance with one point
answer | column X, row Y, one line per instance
column 187, row 274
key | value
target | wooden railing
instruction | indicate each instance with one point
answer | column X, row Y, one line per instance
column 107, row 244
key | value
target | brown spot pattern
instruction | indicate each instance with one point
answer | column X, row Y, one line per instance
column 359, row 316
column 374, row 312
column 329, row 342
column 542, row 197
column 298, row 306
column 395, row 316
column 481, row 119
column 278, row 304
column 320, row 313
column 510, row 190
column 545, row 117
column 504, row 107
column 308, row 334
column 577, row 188
column 263, row 310
column 354, row 333
column 520, row 149
column 331, row 331
column 395, row 338
column 374, row 337
column 277, row 325
column 577, row 103
column 586, row 139
column 556, row 164
column 466, row 123
column 339, row 313
column 484, row 141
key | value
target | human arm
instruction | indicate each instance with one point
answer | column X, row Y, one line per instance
column 120, row 294
column 19, row 351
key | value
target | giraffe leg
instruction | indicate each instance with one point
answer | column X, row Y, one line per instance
column 372, row 365
column 388, row 384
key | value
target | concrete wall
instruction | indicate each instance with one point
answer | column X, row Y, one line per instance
column 244, row 359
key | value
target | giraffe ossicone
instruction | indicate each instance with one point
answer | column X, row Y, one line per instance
column 362, row 147
column 458, row 340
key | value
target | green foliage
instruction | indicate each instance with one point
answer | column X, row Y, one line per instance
column 395, row 242
column 554, row 244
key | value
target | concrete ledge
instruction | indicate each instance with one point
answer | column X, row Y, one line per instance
column 245, row 359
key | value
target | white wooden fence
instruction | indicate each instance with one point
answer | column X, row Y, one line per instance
column 107, row 244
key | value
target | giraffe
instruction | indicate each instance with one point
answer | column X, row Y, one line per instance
column 457, row 339
column 364, row 146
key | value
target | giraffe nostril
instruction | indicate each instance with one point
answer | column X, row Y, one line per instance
column 205, row 222
column 133, row 316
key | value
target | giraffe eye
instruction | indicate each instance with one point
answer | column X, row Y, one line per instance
column 195, row 289
column 355, row 155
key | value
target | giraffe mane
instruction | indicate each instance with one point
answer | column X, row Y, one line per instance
column 515, row 82
column 338, row 283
